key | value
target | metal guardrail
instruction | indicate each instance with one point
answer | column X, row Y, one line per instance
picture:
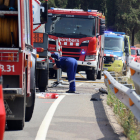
column 126, row 95
column 135, row 74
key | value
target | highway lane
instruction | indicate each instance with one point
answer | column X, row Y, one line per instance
column 31, row 128
column 70, row 117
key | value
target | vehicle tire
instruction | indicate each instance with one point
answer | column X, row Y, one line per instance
column 91, row 74
column 99, row 75
column 29, row 110
column 15, row 124
column 43, row 80
column 51, row 73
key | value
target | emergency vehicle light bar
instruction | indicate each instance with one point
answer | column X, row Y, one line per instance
column 121, row 33
column 110, row 32
column 89, row 10
column 52, row 8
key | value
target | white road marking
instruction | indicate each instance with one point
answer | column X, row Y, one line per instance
column 43, row 129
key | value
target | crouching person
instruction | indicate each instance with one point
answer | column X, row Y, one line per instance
column 69, row 65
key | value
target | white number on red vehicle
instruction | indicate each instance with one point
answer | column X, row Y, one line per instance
column 7, row 68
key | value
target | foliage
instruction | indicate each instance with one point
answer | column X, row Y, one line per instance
column 124, row 116
column 121, row 15
column 111, row 14
column 61, row 3
column 138, row 35
column 128, row 16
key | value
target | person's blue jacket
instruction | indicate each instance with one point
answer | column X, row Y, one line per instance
column 69, row 65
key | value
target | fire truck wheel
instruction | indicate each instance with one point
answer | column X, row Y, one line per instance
column 99, row 74
column 43, row 80
column 15, row 124
column 29, row 110
column 91, row 74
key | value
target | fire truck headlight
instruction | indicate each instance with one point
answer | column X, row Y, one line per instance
column 118, row 58
column 87, row 41
column 90, row 57
column 50, row 39
column 83, row 52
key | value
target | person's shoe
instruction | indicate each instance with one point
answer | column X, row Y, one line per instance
column 70, row 91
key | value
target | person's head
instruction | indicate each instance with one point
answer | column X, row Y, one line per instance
column 55, row 67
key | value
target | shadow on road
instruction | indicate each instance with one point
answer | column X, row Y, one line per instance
column 102, row 119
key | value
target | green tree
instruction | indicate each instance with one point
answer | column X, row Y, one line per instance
column 123, row 15
column 74, row 4
column 61, row 3
column 51, row 3
column 128, row 17
column 95, row 5
column 110, row 14
column 138, row 36
column 57, row 3
column 87, row 4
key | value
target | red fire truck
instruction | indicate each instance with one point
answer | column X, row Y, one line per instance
column 18, row 60
column 82, row 36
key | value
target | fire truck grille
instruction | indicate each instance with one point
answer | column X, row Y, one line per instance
column 70, row 50
column 77, row 58
column 108, row 59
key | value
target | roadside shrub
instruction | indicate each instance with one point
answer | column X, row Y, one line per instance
column 124, row 117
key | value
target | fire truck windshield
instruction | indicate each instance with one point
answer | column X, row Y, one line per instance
column 133, row 52
column 113, row 43
column 75, row 27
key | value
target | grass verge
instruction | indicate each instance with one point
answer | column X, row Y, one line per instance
column 124, row 117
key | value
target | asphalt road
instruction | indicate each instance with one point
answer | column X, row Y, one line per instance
column 69, row 117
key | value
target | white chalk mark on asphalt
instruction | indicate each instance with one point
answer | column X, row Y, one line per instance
column 42, row 132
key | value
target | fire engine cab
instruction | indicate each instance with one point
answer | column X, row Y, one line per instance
column 81, row 34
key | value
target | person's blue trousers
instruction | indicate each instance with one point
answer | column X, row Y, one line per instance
column 71, row 65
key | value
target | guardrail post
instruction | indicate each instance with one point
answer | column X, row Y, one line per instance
column 58, row 50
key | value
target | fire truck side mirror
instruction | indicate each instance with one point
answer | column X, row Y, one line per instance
column 97, row 35
column 102, row 29
column 138, row 52
column 102, row 21
column 44, row 12
column 126, row 50
column 54, row 18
